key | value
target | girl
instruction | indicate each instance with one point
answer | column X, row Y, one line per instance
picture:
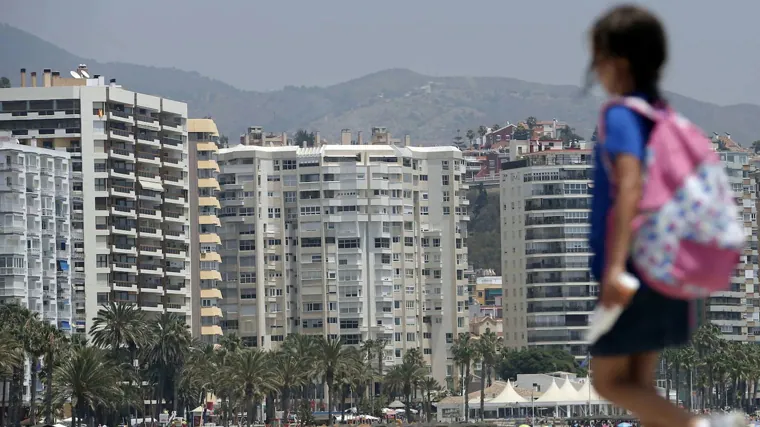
column 629, row 50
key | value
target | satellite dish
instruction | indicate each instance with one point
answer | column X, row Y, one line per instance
column 75, row 75
column 85, row 74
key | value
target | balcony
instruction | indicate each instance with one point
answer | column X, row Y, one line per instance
column 175, row 271
column 124, row 229
column 122, row 154
column 124, row 248
column 174, row 180
column 174, row 162
column 147, row 122
column 149, row 158
column 121, row 116
column 172, row 144
column 123, row 174
column 152, row 306
column 128, row 211
column 12, row 167
column 174, row 199
column 175, row 253
column 173, row 307
column 156, row 269
column 12, row 229
column 150, row 213
column 151, row 250
column 175, row 217
column 124, row 267
column 175, row 235
column 151, row 288
column 149, row 175
column 150, row 232
column 123, row 192
column 148, row 140
column 122, row 135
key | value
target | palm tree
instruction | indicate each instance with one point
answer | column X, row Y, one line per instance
column 405, row 376
column 464, row 352
column 119, row 325
column 333, row 357
column 57, row 343
column 291, row 371
column 487, row 347
column 12, row 359
column 429, row 386
column 252, row 369
column 88, row 379
column 470, row 135
column 165, row 354
column 482, row 131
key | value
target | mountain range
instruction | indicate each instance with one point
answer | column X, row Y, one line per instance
column 430, row 109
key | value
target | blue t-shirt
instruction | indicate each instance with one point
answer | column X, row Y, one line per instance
column 626, row 132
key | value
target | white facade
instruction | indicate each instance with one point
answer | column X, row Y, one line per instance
column 35, row 231
column 129, row 188
column 361, row 242
column 548, row 291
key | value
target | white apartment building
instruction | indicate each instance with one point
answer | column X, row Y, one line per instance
column 352, row 241
column 35, row 230
column 129, row 187
column 548, row 291
column 737, row 311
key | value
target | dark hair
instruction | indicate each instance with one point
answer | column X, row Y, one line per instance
column 636, row 34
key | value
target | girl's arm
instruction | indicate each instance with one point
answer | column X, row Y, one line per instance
column 628, row 193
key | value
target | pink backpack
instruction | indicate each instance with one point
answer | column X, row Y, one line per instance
column 687, row 239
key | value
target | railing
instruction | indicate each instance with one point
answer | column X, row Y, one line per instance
column 174, row 233
column 124, row 246
column 174, row 306
column 121, row 151
column 120, row 189
column 148, row 156
column 170, row 141
column 11, row 167
column 121, row 132
column 144, row 211
column 174, row 251
column 127, row 209
column 146, row 174
column 148, row 230
column 172, row 214
column 123, row 227
column 123, row 284
column 144, row 118
column 146, row 248
column 174, row 269
column 123, row 265
column 149, row 267
column 120, row 114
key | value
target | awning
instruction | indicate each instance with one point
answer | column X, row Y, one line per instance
column 211, row 256
column 210, row 238
column 211, row 312
column 209, row 220
column 63, row 265
column 208, row 183
column 64, row 324
column 209, row 201
column 208, row 164
column 211, row 330
column 211, row 293
column 206, row 146
column 211, row 275
column 152, row 186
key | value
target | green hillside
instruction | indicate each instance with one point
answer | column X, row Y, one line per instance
column 484, row 231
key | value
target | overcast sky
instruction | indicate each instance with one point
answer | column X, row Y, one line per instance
column 267, row 44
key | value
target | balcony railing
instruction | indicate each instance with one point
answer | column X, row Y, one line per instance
column 121, row 132
column 120, row 189
column 125, row 265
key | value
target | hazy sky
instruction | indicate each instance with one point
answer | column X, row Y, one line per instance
column 266, row 44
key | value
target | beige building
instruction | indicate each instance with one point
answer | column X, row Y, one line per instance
column 548, row 291
column 203, row 138
column 357, row 242
column 129, row 185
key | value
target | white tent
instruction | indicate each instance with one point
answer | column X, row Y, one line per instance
column 553, row 394
column 570, row 393
column 508, row 395
column 588, row 393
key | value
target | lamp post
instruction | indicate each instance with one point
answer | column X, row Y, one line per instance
column 533, row 406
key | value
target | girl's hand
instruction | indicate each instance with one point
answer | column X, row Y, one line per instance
column 613, row 293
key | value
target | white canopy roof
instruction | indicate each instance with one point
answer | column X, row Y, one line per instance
column 554, row 394
column 508, row 395
column 587, row 392
column 571, row 393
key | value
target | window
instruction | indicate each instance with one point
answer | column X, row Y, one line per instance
column 290, row 197
column 409, row 241
column 349, row 324
column 397, row 336
column 290, row 180
column 423, row 210
column 445, row 179
column 312, row 306
column 382, row 242
column 310, row 210
column 288, row 164
column 436, row 274
column 410, row 336
column 449, row 338
column 247, row 277
column 247, row 245
column 274, row 212
column 446, row 210
column 348, row 243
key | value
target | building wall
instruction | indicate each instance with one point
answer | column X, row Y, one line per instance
column 548, row 292
column 83, row 124
column 314, row 215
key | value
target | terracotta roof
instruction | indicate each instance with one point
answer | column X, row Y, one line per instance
column 731, row 145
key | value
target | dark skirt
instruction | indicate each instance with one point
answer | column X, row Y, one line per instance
column 651, row 322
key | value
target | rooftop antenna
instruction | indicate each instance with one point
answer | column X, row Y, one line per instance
column 75, row 75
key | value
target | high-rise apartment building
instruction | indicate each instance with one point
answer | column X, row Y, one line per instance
column 548, row 290
column 129, row 187
column 204, row 207
column 35, row 230
column 357, row 242
column 737, row 311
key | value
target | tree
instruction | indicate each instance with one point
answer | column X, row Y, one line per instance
column 224, row 142
column 88, row 379
column 482, row 131
column 253, row 371
column 595, row 135
column 458, row 140
column 488, row 346
column 429, row 385
column 534, row 360
column 406, row 376
column 304, row 138
column 165, row 355
column 464, row 352
column 333, row 357
column 756, row 146
column 470, row 135
column 495, row 127
column 521, row 133
column 4, row 82
column 531, row 122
